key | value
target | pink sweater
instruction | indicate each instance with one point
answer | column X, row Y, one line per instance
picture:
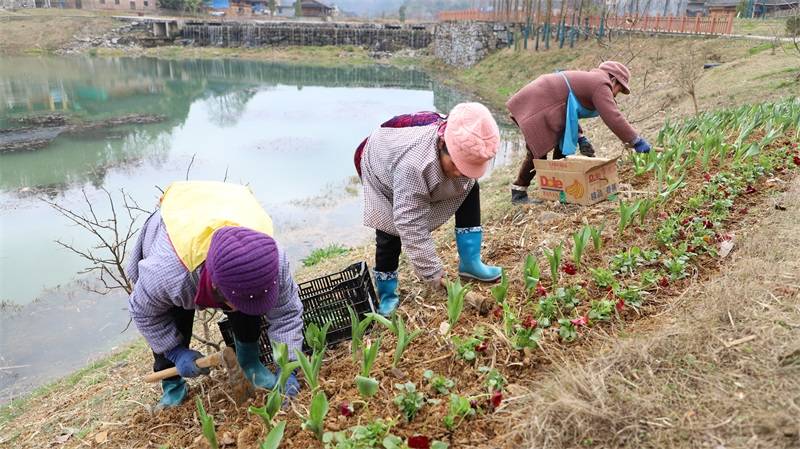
column 539, row 108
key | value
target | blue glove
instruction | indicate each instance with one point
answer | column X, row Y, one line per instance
column 184, row 360
column 641, row 146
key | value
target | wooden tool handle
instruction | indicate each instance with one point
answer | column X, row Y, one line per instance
column 203, row 362
column 474, row 300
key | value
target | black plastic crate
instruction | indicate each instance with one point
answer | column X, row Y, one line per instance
column 325, row 300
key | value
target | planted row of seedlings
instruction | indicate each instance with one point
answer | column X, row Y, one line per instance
column 712, row 169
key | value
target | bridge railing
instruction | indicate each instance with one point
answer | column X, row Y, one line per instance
column 712, row 25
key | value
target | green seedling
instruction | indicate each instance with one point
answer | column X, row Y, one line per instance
column 409, row 400
column 568, row 297
column 626, row 213
column 546, row 311
column 357, row 330
column 554, row 257
column 676, row 266
column 580, row 239
column 316, row 337
column 465, row 347
column 566, row 330
column 315, row 420
column 272, row 406
column 438, row 383
column 280, row 354
column 597, row 237
column 398, row 327
column 630, row 295
column 310, row 366
column 601, row 310
column 644, row 209
column 500, row 290
column 274, row 437
column 207, row 424
column 368, row 386
column 456, row 293
column 459, row 410
column 367, row 436
column 532, row 273
column 602, row 278
column 494, row 379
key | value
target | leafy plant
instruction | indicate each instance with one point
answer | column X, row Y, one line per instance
column 676, row 266
column 456, row 293
column 465, row 347
column 207, row 424
column 626, row 213
column 644, row 207
column 368, row 386
column 310, row 366
column 526, row 336
column 357, row 330
column 568, row 297
column 459, row 410
column 602, row 278
column 494, row 379
column 580, row 240
column 566, row 330
column 314, row 422
column 320, row 254
column 438, row 383
column 630, row 295
column 280, row 354
column 601, row 310
column 316, row 337
column 271, row 407
column 546, row 311
column 532, row 273
column 597, row 237
column 554, row 257
column 409, row 400
column 626, row 262
column 398, row 327
column 360, row 437
column 500, row 290
column 274, row 437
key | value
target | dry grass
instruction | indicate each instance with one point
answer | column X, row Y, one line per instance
column 720, row 367
column 42, row 31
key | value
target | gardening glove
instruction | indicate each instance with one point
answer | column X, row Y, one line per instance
column 641, row 146
column 184, row 360
column 247, row 354
column 585, row 147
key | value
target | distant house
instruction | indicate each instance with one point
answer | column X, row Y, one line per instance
column 760, row 7
column 315, row 8
column 696, row 8
column 722, row 6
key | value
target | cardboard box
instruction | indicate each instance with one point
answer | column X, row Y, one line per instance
column 576, row 179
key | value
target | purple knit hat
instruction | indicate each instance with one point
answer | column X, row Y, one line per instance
column 243, row 266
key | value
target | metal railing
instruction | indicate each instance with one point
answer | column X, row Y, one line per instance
column 712, row 25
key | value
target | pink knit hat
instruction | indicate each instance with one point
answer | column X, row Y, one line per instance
column 620, row 72
column 472, row 138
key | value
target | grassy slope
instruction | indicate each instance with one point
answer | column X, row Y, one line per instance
column 746, row 76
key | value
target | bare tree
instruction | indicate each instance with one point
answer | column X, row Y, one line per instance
column 687, row 73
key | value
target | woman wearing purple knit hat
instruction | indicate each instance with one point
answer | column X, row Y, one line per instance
column 209, row 245
column 547, row 112
column 419, row 170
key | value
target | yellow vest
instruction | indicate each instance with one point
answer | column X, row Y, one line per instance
column 193, row 210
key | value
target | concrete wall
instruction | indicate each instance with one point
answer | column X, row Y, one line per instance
column 376, row 36
column 463, row 44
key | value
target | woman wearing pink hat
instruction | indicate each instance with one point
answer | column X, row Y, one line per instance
column 209, row 245
column 419, row 170
column 547, row 112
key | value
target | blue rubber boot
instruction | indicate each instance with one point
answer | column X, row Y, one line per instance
column 468, row 241
column 175, row 392
column 254, row 370
column 386, row 283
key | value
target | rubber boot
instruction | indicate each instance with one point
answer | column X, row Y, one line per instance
column 175, row 392
column 521, row 197
column 254, row 370
column 386, row 284
column 468, row 242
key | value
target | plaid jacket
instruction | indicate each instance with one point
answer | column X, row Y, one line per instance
column 407, row 194
column 162, row 282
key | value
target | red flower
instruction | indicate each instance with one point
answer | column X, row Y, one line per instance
column 796, row 160
column 529, row 322
column 569, row 269
column 708, row 224
column 663, row 282
column 750, row 189
column 482, row 347
column 498, row 312
column 707, row 177
column 743, row 211
column 580, row 321
column 686, row 221
column 346, row 409
column 620, row 305
column 540, row 291
column 497, row 398
column 419, row 442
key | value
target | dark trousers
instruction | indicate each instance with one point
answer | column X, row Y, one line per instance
column 388, row 246
column 527, row 171
column 246, row 328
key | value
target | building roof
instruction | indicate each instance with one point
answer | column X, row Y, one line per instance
column 314, row 4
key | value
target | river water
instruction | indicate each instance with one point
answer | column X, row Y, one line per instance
column 288, row 131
